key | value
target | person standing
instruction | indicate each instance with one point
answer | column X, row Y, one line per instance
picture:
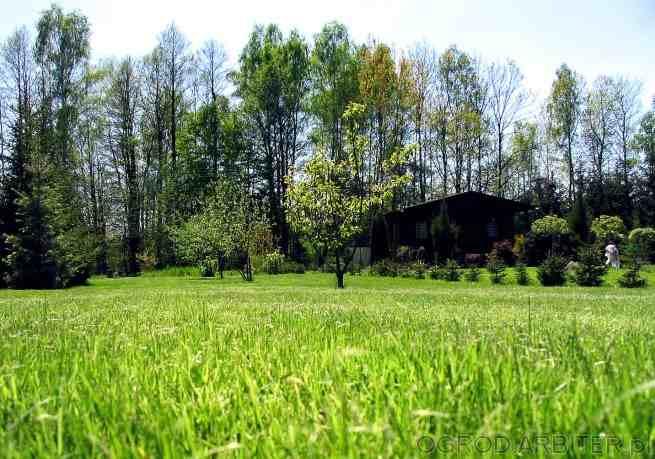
column 612, row 255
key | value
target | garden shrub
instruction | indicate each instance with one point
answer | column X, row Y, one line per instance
column 631, row 277
column 550, row 225
column 207, row 268
column 437, row 272
column 644, row 241
column 608, row 228
column 522, row 277
column 548, row 235
column 496, row 269
column 538, row 247
column 292, row 267
column 552, row 271
column 504, row 250
column 418, row 269
column 591, row 267
column 571, row 270
column 384, row 268
column 272, row 263
column 451, row 271
column 518, row 249
column 472, row 274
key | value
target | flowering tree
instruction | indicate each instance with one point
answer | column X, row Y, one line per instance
column 332, row 202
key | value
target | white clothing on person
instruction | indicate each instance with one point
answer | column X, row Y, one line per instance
column 612, row 254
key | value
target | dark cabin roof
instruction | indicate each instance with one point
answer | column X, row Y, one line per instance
column 468, row 200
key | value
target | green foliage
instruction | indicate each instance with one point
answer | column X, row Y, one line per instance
column 385, row 268
column 591, row 267
column 550, row 226
column 334, row 71
column 418, row 269
column 496, row 269
column 552, row 272
column 564, row 108
column 451, row 271
column 273, row 263
column 41, row 258
column 522, row 276
column 644, row 241
column 578, row 218
column 631, row 277
column 230, row 226
column 437, row 272
column 472, row 274
column 292, row 267
column 31, row 259
column 328, row 205
column 608, row 228
column 518, row 248
column 443, row 235
column 207, row 267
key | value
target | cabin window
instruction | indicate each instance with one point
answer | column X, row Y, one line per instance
column 492, row 229
column 421, row 231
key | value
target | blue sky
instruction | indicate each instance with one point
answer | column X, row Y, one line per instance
column 593, row 37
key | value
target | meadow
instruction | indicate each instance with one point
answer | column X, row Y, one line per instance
column 289, row 366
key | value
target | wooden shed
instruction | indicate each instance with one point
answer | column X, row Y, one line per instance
column 481, row 219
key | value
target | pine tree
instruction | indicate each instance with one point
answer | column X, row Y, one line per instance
column 31, row 262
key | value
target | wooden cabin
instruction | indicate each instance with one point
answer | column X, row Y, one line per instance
column 481, row 219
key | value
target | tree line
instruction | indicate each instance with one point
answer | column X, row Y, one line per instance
column 102, row 162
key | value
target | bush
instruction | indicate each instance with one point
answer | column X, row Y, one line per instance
column 552, row 271
column 538, row 247
column 571, row 270
column 549, row 226
column 518, row 249
column 437, row 272
column 451, row 271
column 292, row 267
column 522, row 277
column 384, row 268
column 474, row 259
column 272, row 263
column 591, row 267
column 496, row 269
column 608, row 228
column 503, row 250
column 472, row 274
column 644, row 241
column 207, row 268
column 631, row 278
column 550, row 234
column 418, row 269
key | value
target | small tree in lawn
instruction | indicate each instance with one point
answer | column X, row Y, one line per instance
column 331, row 203
column 228, row 226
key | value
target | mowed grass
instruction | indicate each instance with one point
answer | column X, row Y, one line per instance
column 289, row 366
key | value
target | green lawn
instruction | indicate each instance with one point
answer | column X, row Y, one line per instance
column 289, row 366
